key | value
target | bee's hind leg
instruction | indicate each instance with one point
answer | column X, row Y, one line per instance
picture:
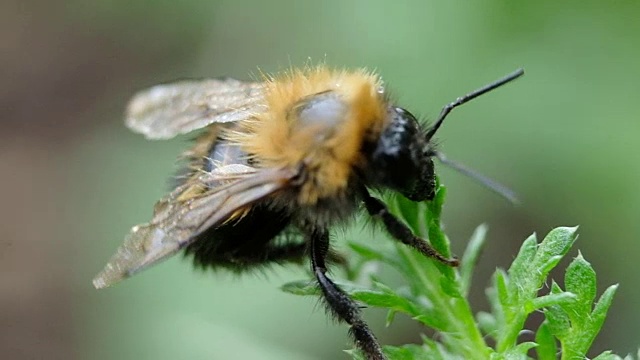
column 339, row 303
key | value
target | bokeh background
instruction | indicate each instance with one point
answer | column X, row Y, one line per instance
column 73, row 179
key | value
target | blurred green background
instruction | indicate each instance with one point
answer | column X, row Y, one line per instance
column 74, row 179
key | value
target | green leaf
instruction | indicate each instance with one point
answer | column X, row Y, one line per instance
column 526, row 275
column 412, row 352
column 391, row 315
column 555, row 288
column 435, row 206
column 584, row 324
column 533, row 263
column 301, row 287
column 502, row 289
column 496, row 307
column 602, row 307
column 409, row 212
column 558, row 320
column 433, row 320
column 385, row 297
column 418, row 270
column 547, row 347
column 607, row 355
column 436, row 237
column 546, row 267
column 368, row 253
column 310, row 287
column 580, row 279
column 562, row 298
column 470, row 258
column 451, row 288
column 436, row 295
column 520, row 266
column 487, row 323
column 598, row 315
column 520, row 351
column 428, row 351
column 554, row 246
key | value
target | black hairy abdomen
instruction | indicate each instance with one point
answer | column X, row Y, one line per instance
column 242, row 244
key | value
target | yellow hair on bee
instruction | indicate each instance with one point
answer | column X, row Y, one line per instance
column 275, row 138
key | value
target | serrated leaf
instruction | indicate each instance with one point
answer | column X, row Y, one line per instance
column 599, row 313
column 585, row 330
column 580, row 279
column 470, row 258
column 553, row 247
column 529, row 274
column 384, row 297
column 438, row 297
column 547, row 348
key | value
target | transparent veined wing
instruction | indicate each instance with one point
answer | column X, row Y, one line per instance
column 178, row 220
column 164, row 111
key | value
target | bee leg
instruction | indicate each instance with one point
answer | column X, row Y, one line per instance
column 341, row 306
column 399, row 231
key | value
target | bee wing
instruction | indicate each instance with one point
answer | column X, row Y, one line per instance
column 164, row 111
column 176, row 221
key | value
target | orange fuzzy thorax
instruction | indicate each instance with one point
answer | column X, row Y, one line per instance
column 274, row 140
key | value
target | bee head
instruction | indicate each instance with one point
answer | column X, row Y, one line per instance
column 401, row 159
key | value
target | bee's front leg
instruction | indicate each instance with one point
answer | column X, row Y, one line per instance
column 399, row 231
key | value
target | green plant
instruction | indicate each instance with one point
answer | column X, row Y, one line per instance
column 436, row 295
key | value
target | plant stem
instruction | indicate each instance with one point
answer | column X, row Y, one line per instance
column 463, row 335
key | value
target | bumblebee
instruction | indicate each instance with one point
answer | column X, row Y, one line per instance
column 276, row 165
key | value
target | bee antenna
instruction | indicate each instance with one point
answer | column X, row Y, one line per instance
column 499, row 189
column 463, row 99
